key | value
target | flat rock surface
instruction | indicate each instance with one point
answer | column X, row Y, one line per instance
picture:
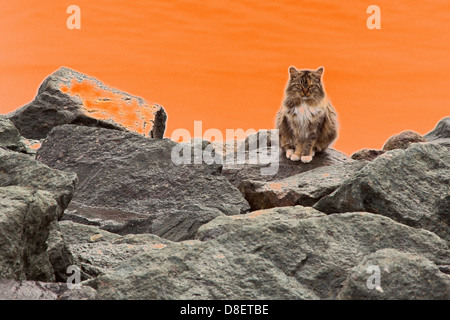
column 129, row 184
column 279, row 168
column 301, row 189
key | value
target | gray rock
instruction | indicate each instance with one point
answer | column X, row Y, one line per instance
column 220, row 226
column 34, row 290
column 236, row 173
column 9, row 136
column 21, row 170
column 319, row 251
column 402, row 276
column 152, row 193
column 301, row 189
column 280, row 253
column 31, row 146
column 403, row 140
column 76, row 233
column 224, row 147
column 96, row 257
column 59, row 254
column 25, row 216
column 405, row 185
column 96, row 250
column 367, row 154
column 69, row 97
column 441, row 133
column 197, row 270
column 260, row 139
column 32, row 196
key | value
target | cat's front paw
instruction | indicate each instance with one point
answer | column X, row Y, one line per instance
column 295, row 157
column 306, row 159
column 289, row 153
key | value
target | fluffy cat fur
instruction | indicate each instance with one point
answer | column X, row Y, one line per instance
column 306, row 120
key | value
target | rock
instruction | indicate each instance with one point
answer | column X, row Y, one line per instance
column 218, row 226
column 319, row 251
column 31, row 146
column 76, row 233
column 9, row 136
column 367, row 154
column 224, row 147
column 403, row 140
column 69, row 97
column 260, row 139
column 20, row 170
column 152, row 195
column 282, row 253
column 32, row 290
column 441, row 133
column 32, row 196
column 25, row 216
column 402, row 275
column 301, row 189
column 59, row 255
column 280, row 168
column 97, row 255
column 405, row 185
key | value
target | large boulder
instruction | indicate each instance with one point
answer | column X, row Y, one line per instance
column 32, row 196
column 67, row 96
column 280, row 253
column 129, row 183
column 408, row 186
column 301, row 189
column 441, row 133
column 402, row 276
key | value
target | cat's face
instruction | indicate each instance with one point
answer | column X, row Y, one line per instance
column 306, row 84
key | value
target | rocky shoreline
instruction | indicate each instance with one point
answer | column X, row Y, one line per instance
column 81, row 185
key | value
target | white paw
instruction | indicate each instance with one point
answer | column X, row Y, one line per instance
column 306, row 159
column 289, row 153
column 295, row 157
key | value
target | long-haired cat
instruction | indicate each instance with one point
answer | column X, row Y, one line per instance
column 306, row 120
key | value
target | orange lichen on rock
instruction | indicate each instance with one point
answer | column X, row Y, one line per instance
column 32, row 144
column 103, row 104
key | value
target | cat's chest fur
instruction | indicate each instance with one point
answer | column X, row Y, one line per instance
column 303, row 115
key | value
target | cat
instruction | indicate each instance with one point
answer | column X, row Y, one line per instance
column 306, row 120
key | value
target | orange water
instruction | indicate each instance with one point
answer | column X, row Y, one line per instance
column 225, row 62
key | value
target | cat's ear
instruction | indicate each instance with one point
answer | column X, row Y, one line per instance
column 319, row 72
column 293, row 72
